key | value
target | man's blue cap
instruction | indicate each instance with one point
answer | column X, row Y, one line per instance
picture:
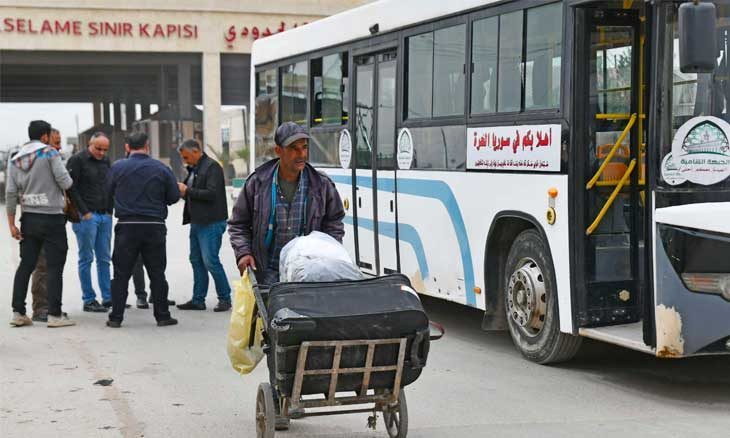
column 289, row 132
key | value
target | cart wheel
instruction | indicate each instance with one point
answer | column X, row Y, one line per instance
column 396, row 419
column 265, row 412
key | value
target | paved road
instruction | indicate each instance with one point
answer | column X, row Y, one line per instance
column 176, row 381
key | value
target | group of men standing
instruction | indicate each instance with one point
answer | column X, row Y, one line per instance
column 284, row 198
column 137, row 190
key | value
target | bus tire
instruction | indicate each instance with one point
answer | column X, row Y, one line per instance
column 530, row 302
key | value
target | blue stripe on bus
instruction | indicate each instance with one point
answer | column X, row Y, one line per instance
column 407, row 234
column 432, row 189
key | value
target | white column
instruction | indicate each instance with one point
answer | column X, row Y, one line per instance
column 212, row 102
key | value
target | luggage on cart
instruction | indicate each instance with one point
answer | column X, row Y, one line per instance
column 378, row 308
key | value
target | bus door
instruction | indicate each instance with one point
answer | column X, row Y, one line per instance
column 608, row 167
column 375, row 200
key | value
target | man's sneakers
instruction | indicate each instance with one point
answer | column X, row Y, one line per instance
column 20, row 320
column 53, row 321
column 60, row 321
column 142, row 303
column 190, row 305
column 94, row 306
column 166, row 322
column 222, row 306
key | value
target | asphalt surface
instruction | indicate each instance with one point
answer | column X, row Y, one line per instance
column 177, row 381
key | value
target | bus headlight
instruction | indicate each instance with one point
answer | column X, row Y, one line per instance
column 718, row 284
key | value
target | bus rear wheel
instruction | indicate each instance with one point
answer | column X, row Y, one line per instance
column 531, row 302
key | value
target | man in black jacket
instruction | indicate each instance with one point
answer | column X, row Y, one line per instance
column 89, row 169
column 206, row 211
column 142, row 188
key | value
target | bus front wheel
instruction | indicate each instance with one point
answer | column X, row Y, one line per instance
column 531, row 302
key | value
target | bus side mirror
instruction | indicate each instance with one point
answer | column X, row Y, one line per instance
column 697, row 37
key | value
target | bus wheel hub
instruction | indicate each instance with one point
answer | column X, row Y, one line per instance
column 527, row 300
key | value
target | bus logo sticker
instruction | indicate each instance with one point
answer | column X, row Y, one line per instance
column 700, row 152
column 524, row 147
column 671, row 172
column 345, row 149
column 405, row 149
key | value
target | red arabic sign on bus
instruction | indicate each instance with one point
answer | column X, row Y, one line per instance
column 524, row 147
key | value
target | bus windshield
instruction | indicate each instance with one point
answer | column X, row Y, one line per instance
column 693, row 96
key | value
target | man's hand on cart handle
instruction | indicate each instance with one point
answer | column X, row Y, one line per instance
column 245, row 262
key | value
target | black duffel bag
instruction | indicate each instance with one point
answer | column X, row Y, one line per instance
column 378, row 308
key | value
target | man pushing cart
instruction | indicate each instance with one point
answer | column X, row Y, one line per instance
column 336, row 343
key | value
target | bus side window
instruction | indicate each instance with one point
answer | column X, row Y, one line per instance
column 484, row 58
column 544, row 53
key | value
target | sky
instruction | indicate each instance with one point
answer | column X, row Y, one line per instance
column 14, row 119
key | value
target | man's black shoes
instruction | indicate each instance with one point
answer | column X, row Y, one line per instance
column 40, row 317
column 94, row 306
column 166, row 322
column 142, row 303
column 222, row 306
column 190, row 305
column 162, row 323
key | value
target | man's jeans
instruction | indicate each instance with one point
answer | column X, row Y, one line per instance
column 48, row 232
column 205, row 247
column 131, row 241
column 94, row 236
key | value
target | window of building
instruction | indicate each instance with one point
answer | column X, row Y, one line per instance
column 267, row 105
column 436, row 73
column 294, row 81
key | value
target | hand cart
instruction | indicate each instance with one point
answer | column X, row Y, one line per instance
column 390, row 401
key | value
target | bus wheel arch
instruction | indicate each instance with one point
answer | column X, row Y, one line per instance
column 507, row 225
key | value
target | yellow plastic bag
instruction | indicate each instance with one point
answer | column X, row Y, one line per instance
column 244, row 356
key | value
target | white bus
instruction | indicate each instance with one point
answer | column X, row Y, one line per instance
column 547, row 162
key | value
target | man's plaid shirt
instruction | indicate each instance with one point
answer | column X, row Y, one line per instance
column 289, row 224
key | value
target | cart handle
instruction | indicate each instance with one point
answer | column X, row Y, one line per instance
column 440, row 328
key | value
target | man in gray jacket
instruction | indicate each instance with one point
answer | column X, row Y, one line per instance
column 37, row 179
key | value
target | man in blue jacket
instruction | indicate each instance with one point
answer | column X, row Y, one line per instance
column 142, row 188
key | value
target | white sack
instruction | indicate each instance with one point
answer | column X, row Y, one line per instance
column 316, row 257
